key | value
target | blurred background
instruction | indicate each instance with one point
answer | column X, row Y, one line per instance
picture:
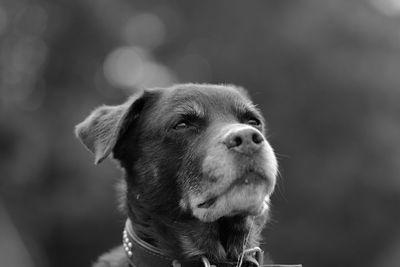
column 325, row 73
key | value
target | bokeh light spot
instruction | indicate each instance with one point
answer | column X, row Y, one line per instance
column 131, row 67
column 387, row 7
column 155, row 74
column 122, row 66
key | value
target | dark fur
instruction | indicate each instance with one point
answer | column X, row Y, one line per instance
column 159, row 163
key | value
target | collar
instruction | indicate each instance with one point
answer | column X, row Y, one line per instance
column 143, row 254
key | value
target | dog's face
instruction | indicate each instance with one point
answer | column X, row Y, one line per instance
column 199, row 148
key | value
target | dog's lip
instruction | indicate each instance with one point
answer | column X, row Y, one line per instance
column 246, row 179
column 208, row 203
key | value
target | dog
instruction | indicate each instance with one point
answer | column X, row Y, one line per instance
column 198, row 175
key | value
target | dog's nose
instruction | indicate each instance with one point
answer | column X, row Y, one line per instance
column 244, row 140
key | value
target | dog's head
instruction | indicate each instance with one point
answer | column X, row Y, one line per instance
column 196, row 149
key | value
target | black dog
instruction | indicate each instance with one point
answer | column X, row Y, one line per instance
column 198, row 175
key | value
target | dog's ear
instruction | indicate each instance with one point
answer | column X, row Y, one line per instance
column 100, row 131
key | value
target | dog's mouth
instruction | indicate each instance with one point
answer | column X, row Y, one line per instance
column 246, row 180
column 208, row 203
column 248, row 194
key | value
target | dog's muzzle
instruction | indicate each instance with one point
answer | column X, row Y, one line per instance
column 239, row 174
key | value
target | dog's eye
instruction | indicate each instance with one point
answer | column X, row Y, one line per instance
column 181, row 125
column 188, row 121
column 254, row 122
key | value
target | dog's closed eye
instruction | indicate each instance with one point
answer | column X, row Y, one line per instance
column 186, row 121
column 251, row 118
column 182, row 124
column 254, row 122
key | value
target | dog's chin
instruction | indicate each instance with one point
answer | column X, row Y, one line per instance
column 244, row 198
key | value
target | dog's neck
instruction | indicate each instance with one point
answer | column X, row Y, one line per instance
column 187, row 237
column 182, row 236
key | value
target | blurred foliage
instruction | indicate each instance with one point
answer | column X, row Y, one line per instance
column 325, row 73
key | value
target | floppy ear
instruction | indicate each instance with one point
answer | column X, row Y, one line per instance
column 100, row 131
